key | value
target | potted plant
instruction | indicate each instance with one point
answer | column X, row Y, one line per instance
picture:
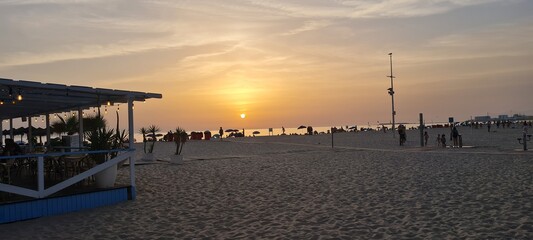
column 149, row 148
column 103, row 139
column 180, row 137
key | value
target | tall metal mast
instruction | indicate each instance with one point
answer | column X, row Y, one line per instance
column 391, row 93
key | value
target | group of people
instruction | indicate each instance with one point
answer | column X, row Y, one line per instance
column 454, row 136
column 441, row 138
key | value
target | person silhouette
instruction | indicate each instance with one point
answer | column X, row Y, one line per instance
column 455, row 136
column 221, row 132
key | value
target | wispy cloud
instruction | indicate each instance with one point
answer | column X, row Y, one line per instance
column 308, row 26
column 94, row 29
column 40, row 2
column 367, row 8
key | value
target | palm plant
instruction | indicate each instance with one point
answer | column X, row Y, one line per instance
column 69, row 125
column 180, row 137
column 101, row 139
column 58, row 128
column 91, row 122
column 153, row 129
column 143, row 131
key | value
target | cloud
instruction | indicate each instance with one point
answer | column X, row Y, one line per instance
column 355, row 9
column 502, row 40
column 308, row 26
column 41, row 2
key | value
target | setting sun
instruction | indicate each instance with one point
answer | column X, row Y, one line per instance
column 243, row 115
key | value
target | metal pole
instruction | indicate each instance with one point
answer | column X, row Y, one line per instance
column 332, row 138
column 11, row 133
column 40, row 176
column 1, row 134
column 131, row 146
column 30, row 136
column 81, row 131
column 49, row 144
column 391, row 92
column 525, row 141
column 421, row 127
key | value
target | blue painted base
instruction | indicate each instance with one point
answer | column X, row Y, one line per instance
column 17, row 211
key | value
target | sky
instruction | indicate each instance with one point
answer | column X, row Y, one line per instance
column 281, row 62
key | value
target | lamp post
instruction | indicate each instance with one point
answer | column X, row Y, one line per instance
column 391, row 93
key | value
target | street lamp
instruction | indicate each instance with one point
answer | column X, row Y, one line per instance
column 391, row 93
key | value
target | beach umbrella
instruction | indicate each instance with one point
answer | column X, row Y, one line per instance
column 302, row 126
column 40, row 132
column 154, row 137
column 232, row 130
column 256, row 132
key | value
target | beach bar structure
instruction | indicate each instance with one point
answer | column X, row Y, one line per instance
column 29, row 100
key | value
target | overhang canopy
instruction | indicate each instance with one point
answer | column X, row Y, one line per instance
column 46, row 98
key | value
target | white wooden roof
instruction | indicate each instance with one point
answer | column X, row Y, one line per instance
column 42, row 98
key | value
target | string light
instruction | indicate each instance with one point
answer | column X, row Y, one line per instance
column 108, row 103
column 1, row 102
column 19, row 97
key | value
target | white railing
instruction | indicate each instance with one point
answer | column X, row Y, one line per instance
column 41, row 192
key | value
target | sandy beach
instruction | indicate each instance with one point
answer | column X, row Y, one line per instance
column 298, row 187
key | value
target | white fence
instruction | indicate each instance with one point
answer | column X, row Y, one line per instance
column 42, row 192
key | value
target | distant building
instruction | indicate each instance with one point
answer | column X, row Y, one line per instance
column 482, row 118
column 503, row 117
